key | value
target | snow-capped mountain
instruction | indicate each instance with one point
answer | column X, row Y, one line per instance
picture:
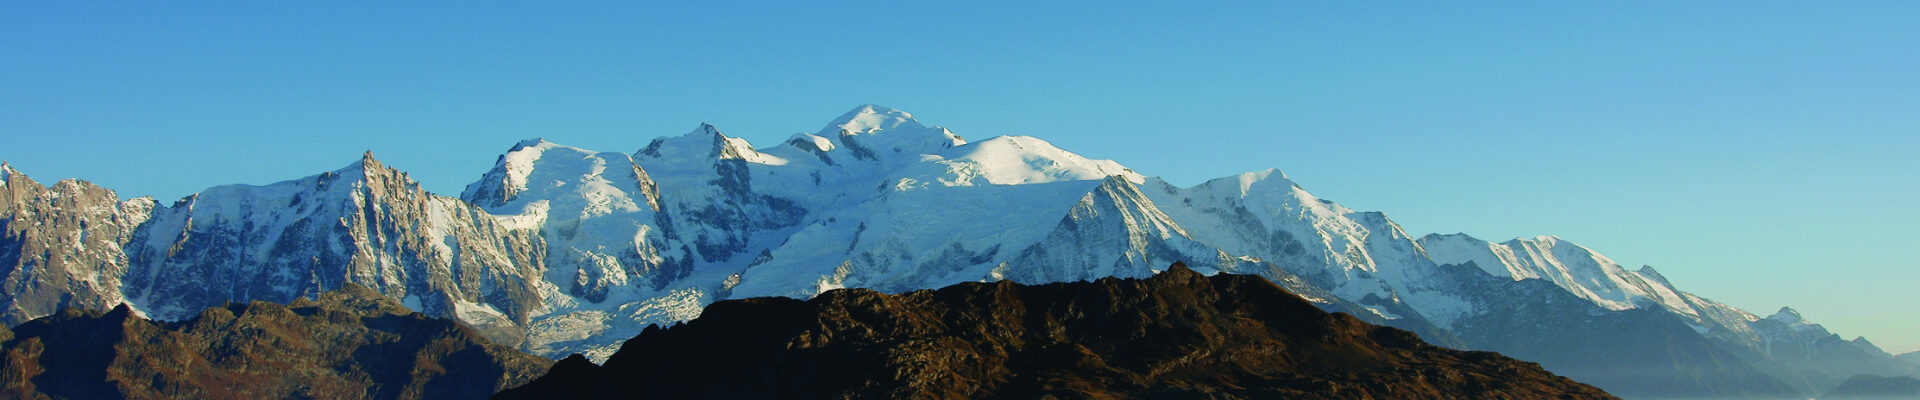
column 62, row 246
column 365, row 223
column 559, row 249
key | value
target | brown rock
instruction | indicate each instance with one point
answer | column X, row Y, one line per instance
column 1175, row 335
column 350, row 343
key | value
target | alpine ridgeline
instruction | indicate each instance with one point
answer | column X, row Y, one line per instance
column 560, row 250
column 350, row 343
column 1173, row 335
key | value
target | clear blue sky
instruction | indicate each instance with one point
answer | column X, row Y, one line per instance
column 1759, row 153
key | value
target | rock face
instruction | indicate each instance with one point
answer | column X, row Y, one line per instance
column 1176, row 334
column 351, row 343
column 365, row 224
column 61, row 246
column 1865, row 387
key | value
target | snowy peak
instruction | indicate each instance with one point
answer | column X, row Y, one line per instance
column 1014, row 160
column 871, row 118
column 363, row 179
column 704, row 143
column 706, row 129
column 607, row 181
column 1648, row 272
column 1249, row 183
column 1459, row 248
column 873, row 132
column 1786, row 315
column 1578, row 269
column 508, row 176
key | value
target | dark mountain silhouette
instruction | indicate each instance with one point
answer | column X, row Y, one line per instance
column 349, row 343
column 1177, row 334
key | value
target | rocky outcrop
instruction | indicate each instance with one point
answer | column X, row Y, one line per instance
column 350, row 343
column 60, row 245
column 1176, row 334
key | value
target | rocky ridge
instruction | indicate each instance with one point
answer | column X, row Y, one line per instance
column 1177, row 334
column 349, row 343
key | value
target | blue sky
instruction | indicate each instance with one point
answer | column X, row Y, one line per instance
column 1758, row 153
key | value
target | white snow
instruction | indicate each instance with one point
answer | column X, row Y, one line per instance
column 1580, row 270
column 1017, row 160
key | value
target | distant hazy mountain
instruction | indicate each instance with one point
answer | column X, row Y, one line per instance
column 1870, row 387
column 350, row 343
column 559, row 250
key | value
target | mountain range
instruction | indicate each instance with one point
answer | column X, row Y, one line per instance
column 558, row 250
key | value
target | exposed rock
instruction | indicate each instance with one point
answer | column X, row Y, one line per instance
column 350, row 343
column 366, row 224
column 60, row 246
column 1177, row 334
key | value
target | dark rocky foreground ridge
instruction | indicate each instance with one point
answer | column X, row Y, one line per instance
column 1174, row 335
column 349, row 343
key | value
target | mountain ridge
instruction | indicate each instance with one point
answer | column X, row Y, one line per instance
column 1174, row 334
column 346, row 343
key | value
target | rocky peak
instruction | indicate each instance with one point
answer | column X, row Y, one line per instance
column 1786, row 315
